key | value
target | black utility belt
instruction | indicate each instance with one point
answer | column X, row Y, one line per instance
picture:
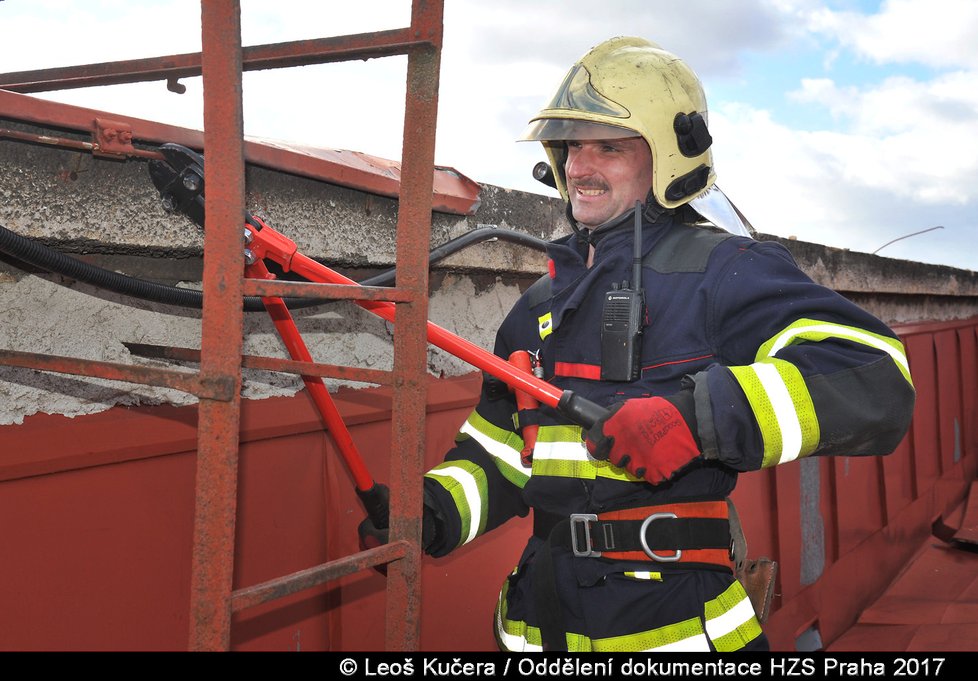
column 681, row 532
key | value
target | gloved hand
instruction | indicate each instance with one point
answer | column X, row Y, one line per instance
column 377, row 502
column 372, row 536
column 373, row 530
column 650, row 437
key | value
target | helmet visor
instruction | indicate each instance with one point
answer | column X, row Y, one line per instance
column 559, row 129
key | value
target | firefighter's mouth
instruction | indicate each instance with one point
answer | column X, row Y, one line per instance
column 590, row 191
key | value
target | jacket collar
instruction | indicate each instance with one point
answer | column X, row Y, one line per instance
column 572, row 280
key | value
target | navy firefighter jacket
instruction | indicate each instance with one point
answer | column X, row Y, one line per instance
column 779, row 367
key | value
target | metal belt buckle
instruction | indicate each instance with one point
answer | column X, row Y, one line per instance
column 583, row 519
column 645, row 543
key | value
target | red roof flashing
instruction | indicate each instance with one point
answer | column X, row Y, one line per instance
column 452, row 193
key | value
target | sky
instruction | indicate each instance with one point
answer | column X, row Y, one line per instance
column 850, row 123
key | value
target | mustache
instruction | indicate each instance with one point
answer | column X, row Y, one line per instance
column 589, row 183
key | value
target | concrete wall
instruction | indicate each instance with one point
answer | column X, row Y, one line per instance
column 107, row 212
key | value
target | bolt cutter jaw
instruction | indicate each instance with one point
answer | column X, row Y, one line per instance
column 180, row 180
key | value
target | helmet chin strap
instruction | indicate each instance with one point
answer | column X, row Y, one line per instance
column 652, row 210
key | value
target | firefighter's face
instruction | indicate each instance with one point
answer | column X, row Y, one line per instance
column 606, row 177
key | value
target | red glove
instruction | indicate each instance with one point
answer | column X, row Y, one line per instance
column 649, row 437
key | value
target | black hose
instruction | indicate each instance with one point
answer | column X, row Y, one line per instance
column 476, row 236
column 50, row 260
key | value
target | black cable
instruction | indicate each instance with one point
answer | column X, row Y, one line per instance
column 50, row 260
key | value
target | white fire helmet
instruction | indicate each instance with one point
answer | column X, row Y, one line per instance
column 628, row 87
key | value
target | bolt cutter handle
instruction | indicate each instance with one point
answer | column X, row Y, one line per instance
column 187, row 195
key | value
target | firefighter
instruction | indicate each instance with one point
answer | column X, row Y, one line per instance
column 736, row 361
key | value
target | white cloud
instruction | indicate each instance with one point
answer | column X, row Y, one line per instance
column 768, row 170
column 904, row 135
column 898, row 156
column 847, row 190
column 939, row 33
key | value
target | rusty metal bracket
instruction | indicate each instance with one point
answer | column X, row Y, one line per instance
column 112, row 138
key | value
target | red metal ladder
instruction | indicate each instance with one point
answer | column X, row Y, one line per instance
column 217, row 384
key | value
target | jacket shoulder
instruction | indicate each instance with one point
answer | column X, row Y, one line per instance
column 540, row 291
column 686, row 248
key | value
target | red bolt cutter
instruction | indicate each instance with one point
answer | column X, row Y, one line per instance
column 180, row 181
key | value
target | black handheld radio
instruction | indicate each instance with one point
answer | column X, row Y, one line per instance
column 623, row 319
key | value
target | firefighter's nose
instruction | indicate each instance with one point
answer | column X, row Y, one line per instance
column 579, row 163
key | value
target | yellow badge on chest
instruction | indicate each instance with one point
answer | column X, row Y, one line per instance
column 546, row 325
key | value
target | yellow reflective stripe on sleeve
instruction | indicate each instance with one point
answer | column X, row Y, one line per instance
column 466, row 482
column 782, row 407
column 560, row 434
column 560, row 452
column 730, row 620
column 503, row 445
column 562, row 459
column 812, row 330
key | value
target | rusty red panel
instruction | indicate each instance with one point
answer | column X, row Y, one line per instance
column 111, row 494
column 883, row 638
column 861, row 576
column 826, row 524
column 926, row 434
column 969, row 398
column 967, row 530
column 898, row 477
column 792, row 618
column 293, row 454
column 788, row 495
column 85, row 551
column 949, row 398
column 860, row 504
column 932, row 599
column 905, row 331
column 51, row 443
column 957, row 570
column 291, row 525
column 756, row 504
column 452, row 191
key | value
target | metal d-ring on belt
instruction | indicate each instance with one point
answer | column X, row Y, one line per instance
column 687, row 533
column 681, row 532
column 585, row 549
